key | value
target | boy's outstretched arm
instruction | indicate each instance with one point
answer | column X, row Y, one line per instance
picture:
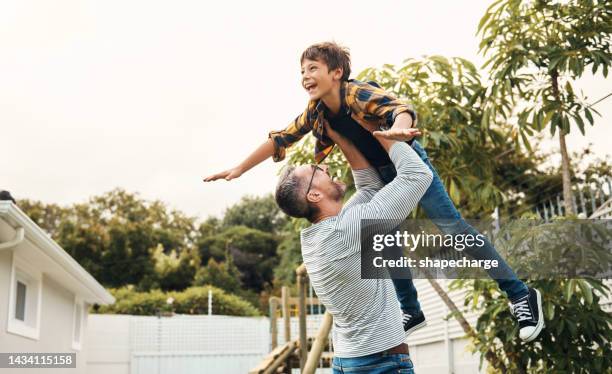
column 262, row 153
column 274, row 147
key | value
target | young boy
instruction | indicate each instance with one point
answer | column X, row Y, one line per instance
column 355, row 110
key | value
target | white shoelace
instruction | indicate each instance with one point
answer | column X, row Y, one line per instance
column 406, row 317
column 521, row 310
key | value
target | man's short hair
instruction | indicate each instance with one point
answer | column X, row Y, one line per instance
column 291, row 195
column 332, row 54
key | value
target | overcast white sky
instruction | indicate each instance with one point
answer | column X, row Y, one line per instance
column 152, row 95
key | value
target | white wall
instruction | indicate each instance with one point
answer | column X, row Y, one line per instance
column 56, row 323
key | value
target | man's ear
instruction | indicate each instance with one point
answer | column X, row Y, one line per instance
column 314, row 196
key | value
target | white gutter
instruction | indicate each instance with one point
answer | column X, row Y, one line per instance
column 50, row 248
column 19, row 235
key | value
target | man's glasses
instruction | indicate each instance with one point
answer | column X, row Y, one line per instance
column 314, row 171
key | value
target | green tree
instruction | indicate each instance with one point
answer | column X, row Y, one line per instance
column 253, row 251
column 577, row 335
column 114, row 235
column 210, row 226
column 260, row 213
column 224, row 275
column 290, row 257
column 537, row 49
column 48, row 216
column 174, row 271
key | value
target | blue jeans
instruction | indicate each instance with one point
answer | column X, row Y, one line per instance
column 440, row 209
column 378, row 363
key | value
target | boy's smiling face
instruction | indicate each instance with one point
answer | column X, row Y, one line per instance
column 318, row 81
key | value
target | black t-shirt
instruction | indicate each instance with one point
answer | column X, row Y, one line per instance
column 367, row 144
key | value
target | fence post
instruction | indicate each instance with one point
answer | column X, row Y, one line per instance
column 209, row 302
column 301, row 283
column 582, row 204
column 286, row 316
column 273, row 322
column 574, row 202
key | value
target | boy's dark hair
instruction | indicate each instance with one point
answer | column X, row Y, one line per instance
column 290, row 195
column 334, row 55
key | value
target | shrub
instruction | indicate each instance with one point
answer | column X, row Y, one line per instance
column 193, row 300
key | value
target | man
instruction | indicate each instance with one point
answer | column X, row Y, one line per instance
column 354, row 109
column 367, row 331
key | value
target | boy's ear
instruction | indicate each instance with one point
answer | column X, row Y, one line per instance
column 337, row 73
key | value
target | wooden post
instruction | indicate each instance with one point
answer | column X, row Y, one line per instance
column 318, row 345
column 273, row 321
column 286, row 316
column 301, row 283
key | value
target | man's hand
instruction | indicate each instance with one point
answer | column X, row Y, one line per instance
column 228, row 175
column 398, row 134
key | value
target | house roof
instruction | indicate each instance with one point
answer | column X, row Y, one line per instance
column 52, row 259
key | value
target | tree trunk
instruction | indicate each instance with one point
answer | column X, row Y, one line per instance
column 565, row 170
column 565, row 160
column 490, row 356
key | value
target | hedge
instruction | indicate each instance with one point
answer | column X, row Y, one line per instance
column 193, row 300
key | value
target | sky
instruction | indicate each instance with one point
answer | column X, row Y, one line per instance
column 151, row 96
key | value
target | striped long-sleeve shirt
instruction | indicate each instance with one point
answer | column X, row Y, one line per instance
column 367, row 316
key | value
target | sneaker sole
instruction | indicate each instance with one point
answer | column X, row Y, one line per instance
column 416, row 327
column 540, row 324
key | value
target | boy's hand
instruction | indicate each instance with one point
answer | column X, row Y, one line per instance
column 401, row 135
column 228, row 174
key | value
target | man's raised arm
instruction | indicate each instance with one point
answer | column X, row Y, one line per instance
column 367, row 180
column 394, row 202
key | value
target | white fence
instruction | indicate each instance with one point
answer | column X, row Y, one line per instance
column 122, row 344
column 179, row 345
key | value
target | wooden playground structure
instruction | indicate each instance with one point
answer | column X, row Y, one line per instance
column 305, row 353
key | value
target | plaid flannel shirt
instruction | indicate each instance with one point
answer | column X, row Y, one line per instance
column 367, row 104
